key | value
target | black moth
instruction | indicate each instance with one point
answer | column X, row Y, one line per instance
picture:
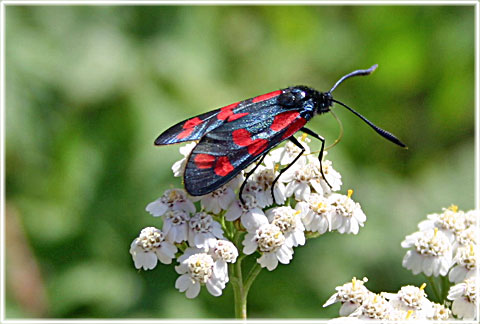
column 233, row 137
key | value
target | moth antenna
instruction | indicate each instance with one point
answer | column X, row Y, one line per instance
column 387, row 135
column 354, row 73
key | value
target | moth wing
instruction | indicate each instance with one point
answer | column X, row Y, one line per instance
column 225, row 151
column 195, row 128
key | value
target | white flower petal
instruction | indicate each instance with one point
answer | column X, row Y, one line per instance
column 183, row 282
column 193, row 290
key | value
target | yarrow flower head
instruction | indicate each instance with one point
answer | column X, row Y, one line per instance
column 464, row 297
column 151, row 246
column 197, row 268
column 472, row 217
column 286, row 154
column 347, row 215
column 315, row 212
column 450, row 221
column 374, row 307
column 307, row 176
column 466, row 264
column 203, row 230
column 261, row 184
column 270, row 242
column 217, row 200
column 251, row 216
column 172, row 199
column 411, row 298
column 175, row 225
column 288, row 220
column 351, row 295
column 440, row 313
column 223, row 252
column 430, row 252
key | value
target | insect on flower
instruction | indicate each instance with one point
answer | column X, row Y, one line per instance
column 233, row 137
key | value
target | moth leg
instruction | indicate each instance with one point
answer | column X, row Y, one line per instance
column 247, row 176
column 320, row 155
column 300, row 146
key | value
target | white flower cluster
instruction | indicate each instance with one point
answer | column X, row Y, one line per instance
column 205, row 228
column 409, row 303
column 446, row 245
column 203, row 262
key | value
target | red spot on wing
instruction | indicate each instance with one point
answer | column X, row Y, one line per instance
column 226, row 113
column 236, row 116
column 258, row 146
column 223, row 166
column 283, row 120
column 188, row 127
column 294, row 127
column 192, row 123
column 185, row 133
column 241, row 137
column 267, row 96
column 204, row 161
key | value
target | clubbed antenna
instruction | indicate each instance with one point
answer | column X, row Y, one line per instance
column 352, row 74
column 387, row 135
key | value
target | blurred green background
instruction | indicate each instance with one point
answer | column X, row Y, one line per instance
column 90, row 87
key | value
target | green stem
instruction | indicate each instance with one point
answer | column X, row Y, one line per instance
column 241, row 287
column 445, row 288
column 254, row 271
column 437, row 294
column 239, row 295
column 237, row 290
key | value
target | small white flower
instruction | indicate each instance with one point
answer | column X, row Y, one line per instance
column 307, row 176
column 411, row 298
column 172, row 199
column 299, row 179
column 351, row 295
column 151, row 246
column 289, row 222
column 315, row 212
column 286, row 154
column 466, row 261
column 373, row 307
column 179, row 167
column 197, row 268
column 347, row 216
column 464, row 296
column 259, row 185
column 333, row 177
column 270, row 242
column 217, row 200
column 203, row 230
column 430, row 252
column 440, row 313
column 223, row 252
column 450, row 222
column 175, row 225
column 472, row 217
column 251, row 216
column 467, row 236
